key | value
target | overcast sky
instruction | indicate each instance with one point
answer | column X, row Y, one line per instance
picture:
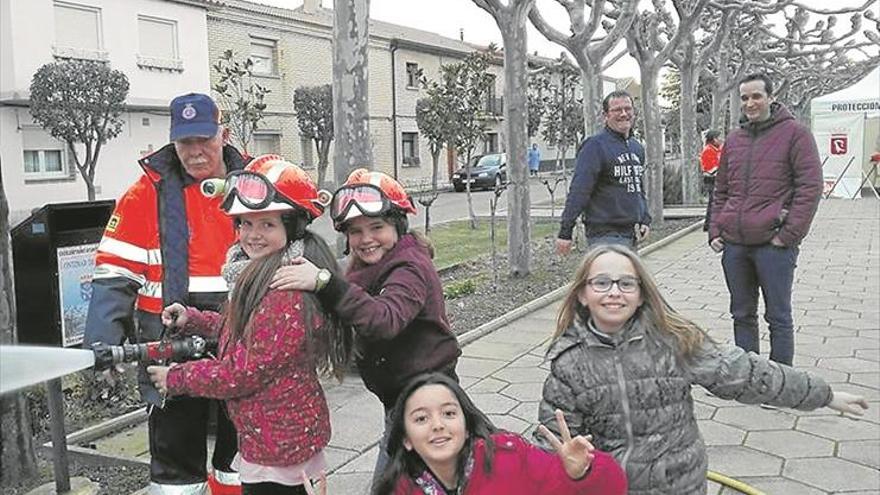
column 448, row 17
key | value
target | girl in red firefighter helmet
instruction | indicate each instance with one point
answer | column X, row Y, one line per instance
column 391, row 293
column 271, row 341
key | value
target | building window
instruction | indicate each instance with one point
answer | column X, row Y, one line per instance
column 266, row 144
column 78, row 32
column 308, row 152
column 412, row 75
column 490, row 145
column 158, row 37
column 410, row 148
column 44, row 156
column 263, row 55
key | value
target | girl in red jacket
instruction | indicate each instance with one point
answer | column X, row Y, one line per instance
column 440, row 443
column 391, row 294
column 271, row 342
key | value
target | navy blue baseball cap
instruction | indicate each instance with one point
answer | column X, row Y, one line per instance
column 194, row 115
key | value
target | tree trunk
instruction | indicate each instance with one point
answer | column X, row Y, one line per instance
column 435, row 168
column 690, row 170
column 350, row 81
column 733, row 108
column 513, row 32
column 653, row 144
column 591, row 88
column 16, row 442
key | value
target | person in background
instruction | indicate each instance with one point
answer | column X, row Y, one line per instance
column 534, row 160
column 622, row 365
column 391, row 293
column 607, row 189
column 440, row 443
column 164, row 243
column 767, row 192
column 709, row 158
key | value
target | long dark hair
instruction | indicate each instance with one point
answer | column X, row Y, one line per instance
column 328, row 341
column 408, row 463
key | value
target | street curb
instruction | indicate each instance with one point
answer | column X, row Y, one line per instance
column 535, row 304
column 100, row 430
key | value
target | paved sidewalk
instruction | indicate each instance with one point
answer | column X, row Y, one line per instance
column 836, row 302
column 837, row 316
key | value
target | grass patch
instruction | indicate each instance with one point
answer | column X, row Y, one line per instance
column 455, row 242
column 460, row 288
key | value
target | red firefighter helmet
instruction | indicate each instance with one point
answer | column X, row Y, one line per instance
column 371, row 194
column 269, row 183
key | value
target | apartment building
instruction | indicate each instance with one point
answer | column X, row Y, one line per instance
column 292, row 49
column 160, row 45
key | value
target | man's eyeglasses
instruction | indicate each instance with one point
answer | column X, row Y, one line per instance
column 622, row 110
column 624, row 284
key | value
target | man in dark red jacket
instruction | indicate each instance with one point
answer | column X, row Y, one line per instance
column 766, row 193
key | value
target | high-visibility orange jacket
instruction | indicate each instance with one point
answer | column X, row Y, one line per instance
column 162, row 221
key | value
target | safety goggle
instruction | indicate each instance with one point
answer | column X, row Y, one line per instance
column 367, row 198
column 253, row 190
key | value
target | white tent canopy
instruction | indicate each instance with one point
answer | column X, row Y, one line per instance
column 846, row 125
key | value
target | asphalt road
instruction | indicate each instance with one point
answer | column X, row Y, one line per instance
column 450, row 206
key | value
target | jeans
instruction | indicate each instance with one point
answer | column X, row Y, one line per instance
column 268, row 488
column 611, row 238
column 383, row 458
column 770, row 268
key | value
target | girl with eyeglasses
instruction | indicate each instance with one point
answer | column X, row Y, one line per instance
column 622, row 366
column 391, row 293
column 272, row 343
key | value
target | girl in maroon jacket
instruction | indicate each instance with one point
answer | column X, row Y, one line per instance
column 271, row 342
column 440, row 443
column 391, row 294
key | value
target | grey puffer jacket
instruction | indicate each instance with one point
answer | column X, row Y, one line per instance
column 633, row 395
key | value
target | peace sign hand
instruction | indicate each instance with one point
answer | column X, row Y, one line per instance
column 576, row 453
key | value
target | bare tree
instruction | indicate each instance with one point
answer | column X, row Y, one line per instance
column 242, row 98
column 589, row 41
column 511, row 21
column 80, row 102
column 652, row 38
column 435, row 126
column 16, row 442
column 351, row 112
column 313, row 106
column 690, row 59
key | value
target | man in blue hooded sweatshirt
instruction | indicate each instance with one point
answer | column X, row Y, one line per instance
column 608, row 187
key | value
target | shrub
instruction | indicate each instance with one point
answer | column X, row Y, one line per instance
column 460, row 288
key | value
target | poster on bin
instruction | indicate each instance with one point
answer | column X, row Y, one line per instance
column 75, row 267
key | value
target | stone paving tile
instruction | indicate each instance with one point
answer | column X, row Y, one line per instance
column 865, row 452
column 526, row 411
column 737, row 461
column 754, row 418
column 524, row 392
column 349, row 483
column 703, row 411
column 830, row 376
column 847, row 365
column 777, row 486
column 337, row 457
column 790, row 444
column 477, row 367
column 495, row 350
column 838, row 428
column 826, row 330
column 485, row 386
column 509, row 423
column 871, row 379
column 364, row 463
column 832, row 474
column 715, row 433
column 521, row 375
column 493, row 403
column 869, row 354
column 869, row 393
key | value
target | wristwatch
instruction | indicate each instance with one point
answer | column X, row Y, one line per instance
column 322, row 279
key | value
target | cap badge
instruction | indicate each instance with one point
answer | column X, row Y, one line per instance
column 188, row 112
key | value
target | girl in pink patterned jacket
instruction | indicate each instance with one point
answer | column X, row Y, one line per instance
column 272, row 343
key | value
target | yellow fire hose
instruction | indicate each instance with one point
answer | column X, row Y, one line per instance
column 732, row 483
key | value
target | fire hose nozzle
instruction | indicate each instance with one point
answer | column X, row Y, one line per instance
column 107, row 356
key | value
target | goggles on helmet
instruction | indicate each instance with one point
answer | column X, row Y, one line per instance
column 253, row 190
column 367, row 198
